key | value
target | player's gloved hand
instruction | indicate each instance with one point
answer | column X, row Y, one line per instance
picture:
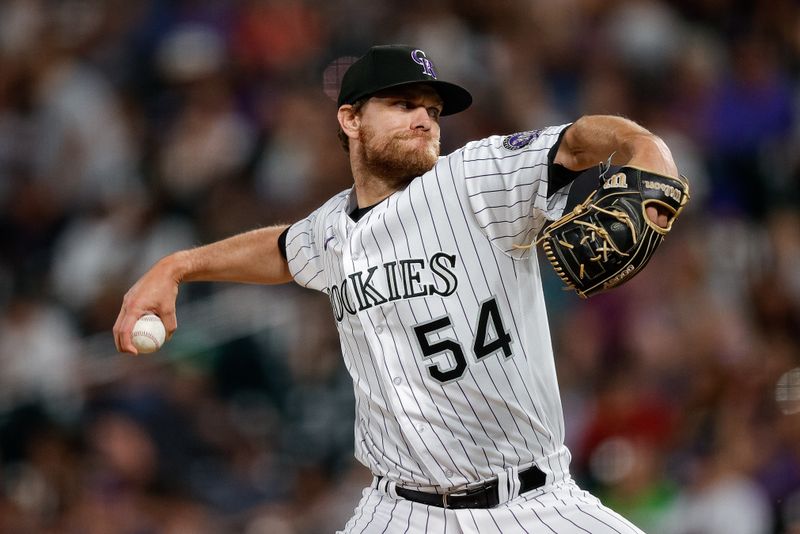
column 608, row 238
column 658, row 215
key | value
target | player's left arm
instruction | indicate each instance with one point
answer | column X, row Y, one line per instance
column 593, row 138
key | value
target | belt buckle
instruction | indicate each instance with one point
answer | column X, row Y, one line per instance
column 464, row 493
column 444, row 501
column 445, row 495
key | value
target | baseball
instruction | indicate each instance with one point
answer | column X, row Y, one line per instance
column 148, row 334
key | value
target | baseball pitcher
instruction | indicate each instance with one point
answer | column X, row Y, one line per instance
column 436, row 292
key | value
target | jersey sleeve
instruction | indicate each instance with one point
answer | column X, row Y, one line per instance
column 302, row 253
column 507, row 185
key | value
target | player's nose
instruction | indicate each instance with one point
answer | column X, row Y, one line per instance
column 421, row 119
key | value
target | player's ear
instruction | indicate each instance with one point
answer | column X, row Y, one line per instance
column 349, row 120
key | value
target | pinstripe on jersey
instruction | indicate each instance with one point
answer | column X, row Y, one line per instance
column 442, row 321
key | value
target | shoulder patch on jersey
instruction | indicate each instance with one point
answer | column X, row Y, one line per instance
column 520, row 139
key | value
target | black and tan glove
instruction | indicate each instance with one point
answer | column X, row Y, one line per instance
column 608, row 238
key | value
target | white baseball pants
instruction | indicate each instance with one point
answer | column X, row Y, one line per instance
column 561, row 508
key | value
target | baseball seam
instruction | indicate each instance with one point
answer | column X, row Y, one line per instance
column 146, row 334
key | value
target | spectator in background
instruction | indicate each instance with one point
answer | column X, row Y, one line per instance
column 39, row 347
column 121, row 139
column 750, row 111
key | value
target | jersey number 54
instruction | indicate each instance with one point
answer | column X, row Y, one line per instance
column 487, row 341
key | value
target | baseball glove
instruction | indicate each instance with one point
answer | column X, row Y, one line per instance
column 608, row 238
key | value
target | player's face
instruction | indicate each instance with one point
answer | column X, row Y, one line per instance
column 399, row 133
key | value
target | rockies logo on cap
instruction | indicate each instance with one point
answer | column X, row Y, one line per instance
column 388, row 66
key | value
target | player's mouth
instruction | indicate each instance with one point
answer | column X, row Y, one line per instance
column 422, row 137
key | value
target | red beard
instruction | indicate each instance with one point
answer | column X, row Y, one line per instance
column 399, row 159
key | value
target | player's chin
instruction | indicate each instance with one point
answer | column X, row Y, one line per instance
column 405, row 169
column 419, row 162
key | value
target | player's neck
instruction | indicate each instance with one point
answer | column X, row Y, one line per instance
column 370, row 188
column 370, row 192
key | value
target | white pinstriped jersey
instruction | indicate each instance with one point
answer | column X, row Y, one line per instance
column 442, row 320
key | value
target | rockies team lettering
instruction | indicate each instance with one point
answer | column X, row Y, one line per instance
column 394, row 280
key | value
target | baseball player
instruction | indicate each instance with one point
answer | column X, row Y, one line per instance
column 437, row 302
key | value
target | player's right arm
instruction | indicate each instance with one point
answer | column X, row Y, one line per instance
column 250, row 257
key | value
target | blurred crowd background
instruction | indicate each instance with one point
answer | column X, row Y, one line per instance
column 129, row 130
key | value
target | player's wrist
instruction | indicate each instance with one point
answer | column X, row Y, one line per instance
column 178, row 266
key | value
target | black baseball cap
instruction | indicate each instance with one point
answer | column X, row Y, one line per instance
column 388, row 66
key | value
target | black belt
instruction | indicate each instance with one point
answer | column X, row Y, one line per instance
column 483, row 496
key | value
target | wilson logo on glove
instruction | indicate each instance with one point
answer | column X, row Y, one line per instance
column 618, row 180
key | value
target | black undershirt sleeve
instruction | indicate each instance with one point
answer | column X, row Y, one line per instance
column 282, row 242
column 557, row 175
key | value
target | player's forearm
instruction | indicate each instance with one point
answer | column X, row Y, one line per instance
column 592, row 139
column 251, row 257
column 646, row 151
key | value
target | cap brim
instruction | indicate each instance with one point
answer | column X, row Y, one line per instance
column 455, row 98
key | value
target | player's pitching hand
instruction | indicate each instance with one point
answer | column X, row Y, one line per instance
column 155, row 292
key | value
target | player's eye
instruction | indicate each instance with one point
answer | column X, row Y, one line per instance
column 434, row 112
